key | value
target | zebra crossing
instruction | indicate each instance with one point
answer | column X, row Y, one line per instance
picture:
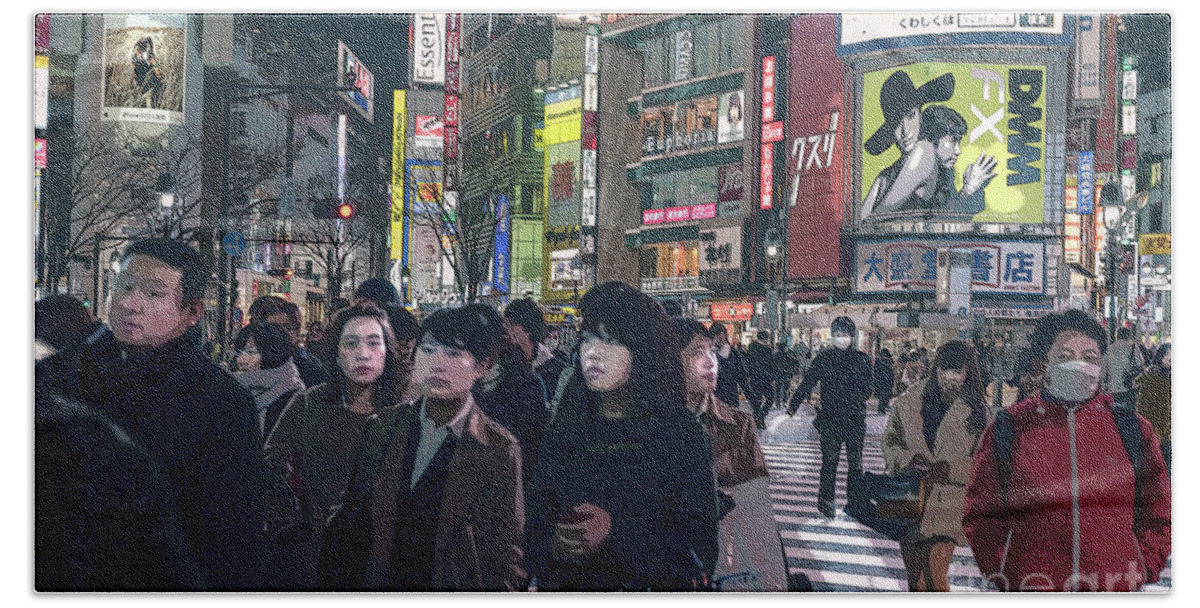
column 840, row 554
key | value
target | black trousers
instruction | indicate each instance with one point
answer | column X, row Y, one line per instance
column 832, row 440
column 760, row 402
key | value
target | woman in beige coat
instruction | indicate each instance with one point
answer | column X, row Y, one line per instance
column 935, row 426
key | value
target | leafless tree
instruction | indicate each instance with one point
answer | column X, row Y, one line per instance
column 331, row 243
column 469, row 229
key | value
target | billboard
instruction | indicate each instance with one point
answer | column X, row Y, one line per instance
column 352, row 73
column 562, row 184
column 959, row 141
column 429, row 49
column 501, row 258
column 145, row 68
column 815, row 149
column 863, row 32
column 428, row 131
column 997, row 267
column 399, row 249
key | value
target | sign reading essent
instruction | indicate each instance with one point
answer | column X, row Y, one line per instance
column 1001, row 267
column 428, row 42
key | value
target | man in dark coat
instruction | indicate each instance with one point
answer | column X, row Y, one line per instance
column 192, row 417
column 845, row 377
column 760, row 363
column 731, row 370
column 884, row 379
column 104, row 520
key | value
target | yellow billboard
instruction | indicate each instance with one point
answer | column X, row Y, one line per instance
column 1154, row 244
column 954, row 140
column 564, row 122
column 399, row 124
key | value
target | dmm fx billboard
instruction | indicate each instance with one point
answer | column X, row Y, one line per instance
column 998, row 267
column 561, row 177
column 959, row 141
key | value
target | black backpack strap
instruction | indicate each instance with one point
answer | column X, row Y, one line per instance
column 1002, row 444
column 1131, row 438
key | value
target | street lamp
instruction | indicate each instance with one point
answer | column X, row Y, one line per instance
column 165, row 188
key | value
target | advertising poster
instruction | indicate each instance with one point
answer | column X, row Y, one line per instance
column 1000, row 267
column 145, row 68
column 399, row 249
column 731, row 123
column 353, row 73
column 959, row 141
column 428, row 131
column 562, row 183
column 862, row 32
column 501, row 255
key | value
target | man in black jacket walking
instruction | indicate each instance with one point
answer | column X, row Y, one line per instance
column 845, row 377
column 760, row 362
column 197, row 423
column 731, row 370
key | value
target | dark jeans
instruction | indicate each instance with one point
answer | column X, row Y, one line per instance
column 884, row 400
column 781, row 392
column 832, row 440
column 760, row 402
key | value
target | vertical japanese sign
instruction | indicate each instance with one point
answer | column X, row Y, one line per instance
column 1087, row 58
column 816, row 126
column 399, row 249
column 766, row 159
column 1087, row 183
column 996, row 114
column 768, row 89
column 429, row 49
column 450, row 146
column 41, row 69
column 343, row 122
column 500, row 255
column 145, row 68
column 767, row 175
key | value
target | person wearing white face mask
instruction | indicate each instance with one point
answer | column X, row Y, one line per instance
column 1069, row 491
column 845, row 377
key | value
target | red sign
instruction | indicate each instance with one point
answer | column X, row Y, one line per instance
column 678, row 214
column 654, row 216
column 768, row 89
column 767, row 172
column 452, row 45
column 452, row 110
column 731, row 311
column 772, row 132
column 452, row 81
column 451, row 149
column 39, row 153
column 1129, row 154
column 704, row 212
column 815, row 149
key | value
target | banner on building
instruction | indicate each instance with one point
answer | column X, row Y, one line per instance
column 41, row 91
column 145, row 68
column 994, row 113
column 1000, row 267
column 428, row 131
column 39, row 153
column 501, row 254
column 399, row 248
column 721, row 249
column 429, row 49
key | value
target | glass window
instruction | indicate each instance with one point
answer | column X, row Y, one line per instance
column 704, row 48
column 662, row 194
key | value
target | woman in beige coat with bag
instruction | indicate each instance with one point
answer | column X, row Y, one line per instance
column 935, row 426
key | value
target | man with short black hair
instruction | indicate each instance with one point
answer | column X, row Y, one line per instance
column 526, row 327
column 278, row 311
column 760, row 363
column 193, row 418
column 1067, row 491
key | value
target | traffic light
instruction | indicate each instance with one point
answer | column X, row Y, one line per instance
column 333, row 209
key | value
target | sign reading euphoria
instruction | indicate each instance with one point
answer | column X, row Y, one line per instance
column 1003, row 267
column 961, row 141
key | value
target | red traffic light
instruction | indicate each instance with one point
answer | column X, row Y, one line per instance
column 345, row 211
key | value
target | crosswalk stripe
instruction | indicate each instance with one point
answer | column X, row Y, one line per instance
column 841, row 554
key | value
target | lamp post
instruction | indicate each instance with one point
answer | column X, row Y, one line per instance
column 165, row 189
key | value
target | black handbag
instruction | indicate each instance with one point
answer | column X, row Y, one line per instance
column 889, row 504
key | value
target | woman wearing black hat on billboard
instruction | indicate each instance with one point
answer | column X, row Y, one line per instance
column 916, row 169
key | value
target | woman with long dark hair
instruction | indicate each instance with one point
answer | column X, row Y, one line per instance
column 311, row 450
column 623, row 496
column 935, row 426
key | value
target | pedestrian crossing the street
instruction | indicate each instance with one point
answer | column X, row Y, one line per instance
column 841, row 554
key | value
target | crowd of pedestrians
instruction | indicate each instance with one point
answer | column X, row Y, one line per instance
column 470, row 451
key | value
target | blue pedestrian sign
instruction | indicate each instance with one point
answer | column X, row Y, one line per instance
column 234, row 243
